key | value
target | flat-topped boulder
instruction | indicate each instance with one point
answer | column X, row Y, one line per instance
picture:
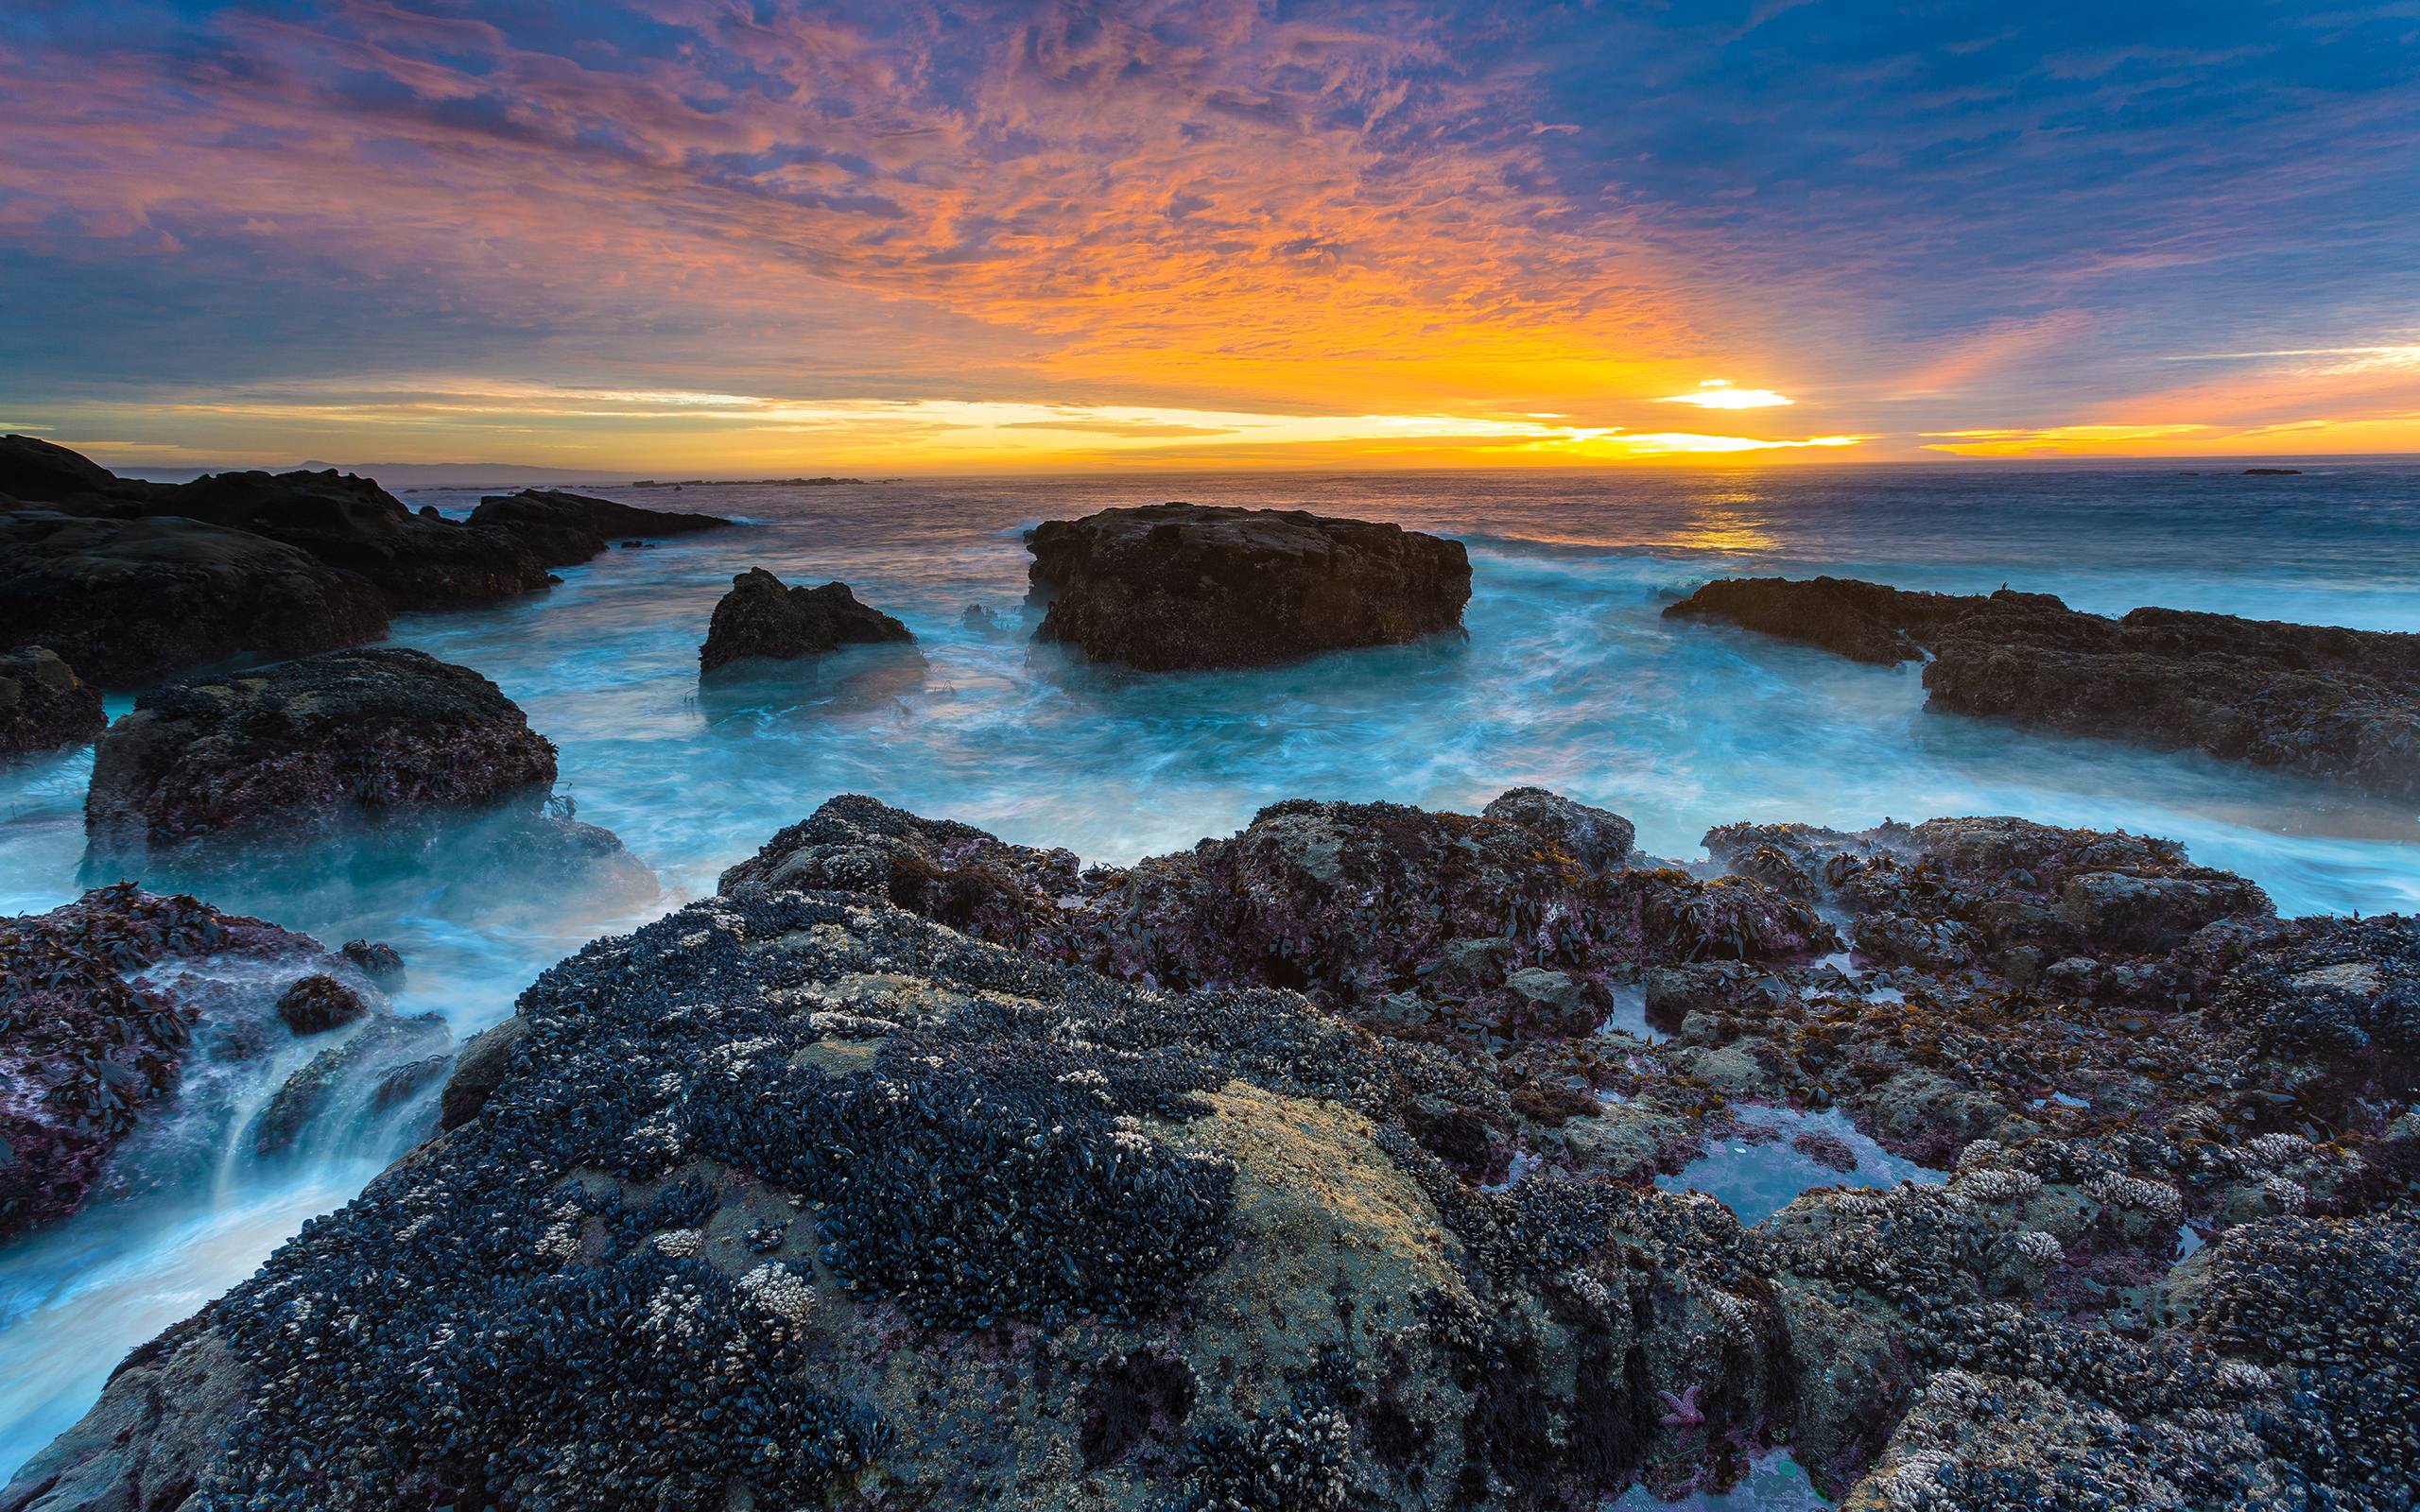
column 564, row 529
column 130, row 600
column 1174, row 586
column 308, row 747
column 44, row 705
column 764, row 619
column 2340, row 705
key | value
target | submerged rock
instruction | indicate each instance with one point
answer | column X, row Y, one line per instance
column 761, row 617
column 2335, row 704
column 44, row 705
column 564, row 529
column 917, row 1168
column 1173, row 586
column 125, row 601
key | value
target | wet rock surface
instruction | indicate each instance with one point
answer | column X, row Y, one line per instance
column 1172, row 586
column 2335, row 704
column 1306, row 1169
column 44, row 705
column 126, row 601
column 762, row 618
column 103, row 1002
column 564, row 529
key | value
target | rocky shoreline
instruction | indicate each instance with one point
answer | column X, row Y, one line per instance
column 131, row 581
column 1319, row 1167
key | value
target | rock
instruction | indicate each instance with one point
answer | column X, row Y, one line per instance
column 1175, row 585
column 126, row 601
column 301, row 747
column 762, row 617
column 1594, row 837
column 564, row 529
column 91, row 1045
column 44, row 705
column 480, row 1071
column 2335, row 704
column 1349, row 901
column 379, row 962
column 384, row 1065
column 349, row 521
column 318, row 1004
column 1223, row 1241
column 33, row 469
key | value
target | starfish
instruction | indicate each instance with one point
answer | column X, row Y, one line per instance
column 1684, row 1413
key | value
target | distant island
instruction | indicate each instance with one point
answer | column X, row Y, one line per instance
column 744, row 483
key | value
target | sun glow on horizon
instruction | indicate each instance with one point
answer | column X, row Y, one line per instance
column 1720, row 393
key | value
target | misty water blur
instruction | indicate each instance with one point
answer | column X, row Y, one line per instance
column 1569, row 677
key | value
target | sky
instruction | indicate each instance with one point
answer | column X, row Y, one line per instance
column 755, row 237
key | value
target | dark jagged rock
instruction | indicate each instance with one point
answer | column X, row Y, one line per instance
column 1592, row 836
column 351, row 523
column 1349, row 901
column 318, row 1003
column 90, row 1044
column 44, row 705
column 125, row 601
column 414, row 560
column 954, row 1222
column 2335, row 704
column 762, row 618
column 304, row 747
column 1173, row 586
column 380, row 962
column 565, row 530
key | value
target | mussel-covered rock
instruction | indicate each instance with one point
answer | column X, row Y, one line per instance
column 915, row 1167
column 1172, row 586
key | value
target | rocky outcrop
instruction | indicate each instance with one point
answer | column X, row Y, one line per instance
column 44, row 705
column 381, row 743
column 564, row 529
column 338, row 518
column 126, row 601
column 2335, row 704
column 348, row 522
column 963, row 1175
column 102, row 1004
column 1175, row 585
column 761, row 618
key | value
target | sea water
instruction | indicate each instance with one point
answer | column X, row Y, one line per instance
column 1568, row 678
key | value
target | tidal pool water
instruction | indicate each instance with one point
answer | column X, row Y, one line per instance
column 1569, row 677
column 1756, row 1177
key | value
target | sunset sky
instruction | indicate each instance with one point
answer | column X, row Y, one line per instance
column 743, row 236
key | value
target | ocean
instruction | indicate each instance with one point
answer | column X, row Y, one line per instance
column 1569, row 677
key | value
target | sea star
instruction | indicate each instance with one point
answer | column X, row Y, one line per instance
column 1684, row 1413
